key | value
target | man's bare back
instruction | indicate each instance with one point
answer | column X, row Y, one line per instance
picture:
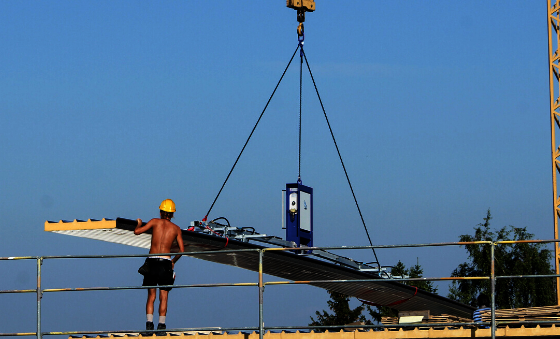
column 164, row 233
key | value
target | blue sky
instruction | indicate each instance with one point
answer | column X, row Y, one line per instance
column 440, row 110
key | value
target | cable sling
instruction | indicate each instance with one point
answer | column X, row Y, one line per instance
column 300, row 45
column 340, row 157
column 250, row 135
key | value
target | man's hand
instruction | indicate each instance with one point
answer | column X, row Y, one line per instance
column 138, row 225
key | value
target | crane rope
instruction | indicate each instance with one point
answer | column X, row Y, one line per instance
column 341, row 161
column 300, row 46
column 302, row 57
column 250, row 135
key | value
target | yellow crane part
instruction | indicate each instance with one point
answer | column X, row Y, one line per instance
column 301, row 6
column 305, row 5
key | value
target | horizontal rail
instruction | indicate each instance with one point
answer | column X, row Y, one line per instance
column 21, row 334
column 79, row 289
column 377, row 246
column 18, row 258
column 307, row 282
column 18, row 291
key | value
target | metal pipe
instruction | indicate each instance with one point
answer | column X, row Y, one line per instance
column 527, row 276
column 459, row 243
column 261, row 292
column 19, row 291
column 310, row 282
column 140, row 255
column 39, row 297
column 17, row 258
column 493, row 289
column 81, row 289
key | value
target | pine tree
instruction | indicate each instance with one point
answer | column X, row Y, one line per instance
column 510, row 259
column 342, row 313
column 400, row 269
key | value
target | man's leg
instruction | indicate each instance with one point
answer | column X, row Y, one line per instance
column 150, row 308
column 150, row 301
column 163, row 295
column 167, row 279
column 162, row 310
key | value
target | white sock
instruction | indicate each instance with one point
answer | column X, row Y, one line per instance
column 150, row 317
column 162, row 319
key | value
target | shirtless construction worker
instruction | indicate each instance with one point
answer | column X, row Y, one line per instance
column 158, row 269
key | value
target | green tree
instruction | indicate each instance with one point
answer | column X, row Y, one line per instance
column 342, row 313
column 510, row 259
column 415, row 271
column 400, row 269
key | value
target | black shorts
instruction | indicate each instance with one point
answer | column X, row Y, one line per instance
column 160, row 272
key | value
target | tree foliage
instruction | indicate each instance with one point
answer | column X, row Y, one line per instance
column 400, row 269
column 415, row 271
column 343, row 314
column 510, row 260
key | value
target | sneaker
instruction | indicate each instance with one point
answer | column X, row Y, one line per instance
column 161, row 327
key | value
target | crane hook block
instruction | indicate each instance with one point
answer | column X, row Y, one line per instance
column 305, row 5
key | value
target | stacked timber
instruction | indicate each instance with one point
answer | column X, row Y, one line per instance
column 390, row 320
column 433, row 319
column 544, row 313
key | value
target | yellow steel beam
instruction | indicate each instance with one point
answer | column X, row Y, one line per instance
column 553, row 19
column 79, row 225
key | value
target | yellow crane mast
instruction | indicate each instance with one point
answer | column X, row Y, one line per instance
column 553, row 19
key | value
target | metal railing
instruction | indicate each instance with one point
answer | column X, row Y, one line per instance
column 39, row 291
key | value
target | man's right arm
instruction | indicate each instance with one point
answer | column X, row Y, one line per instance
column 180, row 244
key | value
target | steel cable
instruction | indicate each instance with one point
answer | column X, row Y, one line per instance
column 341, row 161
column 250, row 135
column 300, row 98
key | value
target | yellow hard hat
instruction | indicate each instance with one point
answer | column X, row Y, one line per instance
column 167, row 205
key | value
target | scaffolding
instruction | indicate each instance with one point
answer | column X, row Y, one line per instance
column 260, row 284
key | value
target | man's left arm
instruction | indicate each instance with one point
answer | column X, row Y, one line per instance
column 141, row 229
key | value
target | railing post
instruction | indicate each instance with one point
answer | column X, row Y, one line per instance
column 261, row 291
column 493, row 290
column 39, row 297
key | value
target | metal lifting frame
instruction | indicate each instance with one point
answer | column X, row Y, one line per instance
column 553, row 19
column 248, row 234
